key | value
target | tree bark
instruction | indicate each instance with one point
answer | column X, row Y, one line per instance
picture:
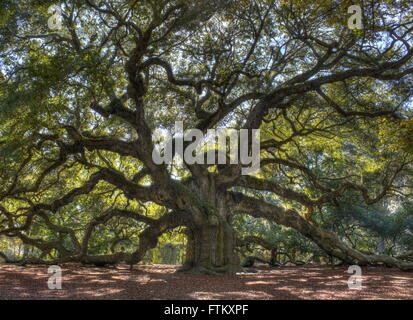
column 211, row 249
column 211, row 241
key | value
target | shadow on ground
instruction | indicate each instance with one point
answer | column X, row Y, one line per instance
column 161, row 282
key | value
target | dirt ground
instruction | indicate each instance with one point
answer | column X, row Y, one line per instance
column 161, row 282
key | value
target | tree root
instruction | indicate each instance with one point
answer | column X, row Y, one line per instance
column 250, row 261
column 212, row 270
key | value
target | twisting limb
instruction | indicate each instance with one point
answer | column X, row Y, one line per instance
column 324, row 239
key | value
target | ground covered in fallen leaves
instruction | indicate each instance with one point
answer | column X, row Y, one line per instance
column 161, row 282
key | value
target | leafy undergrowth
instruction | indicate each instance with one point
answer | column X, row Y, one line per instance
column 161, row 282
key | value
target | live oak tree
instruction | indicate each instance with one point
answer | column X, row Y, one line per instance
column 79, row 106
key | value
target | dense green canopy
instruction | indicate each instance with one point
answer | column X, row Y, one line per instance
column 79, row 105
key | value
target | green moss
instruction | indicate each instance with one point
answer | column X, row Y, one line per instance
column 183, row 192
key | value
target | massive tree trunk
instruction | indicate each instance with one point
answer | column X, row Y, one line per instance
column 211, row 248
column 211, row 238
